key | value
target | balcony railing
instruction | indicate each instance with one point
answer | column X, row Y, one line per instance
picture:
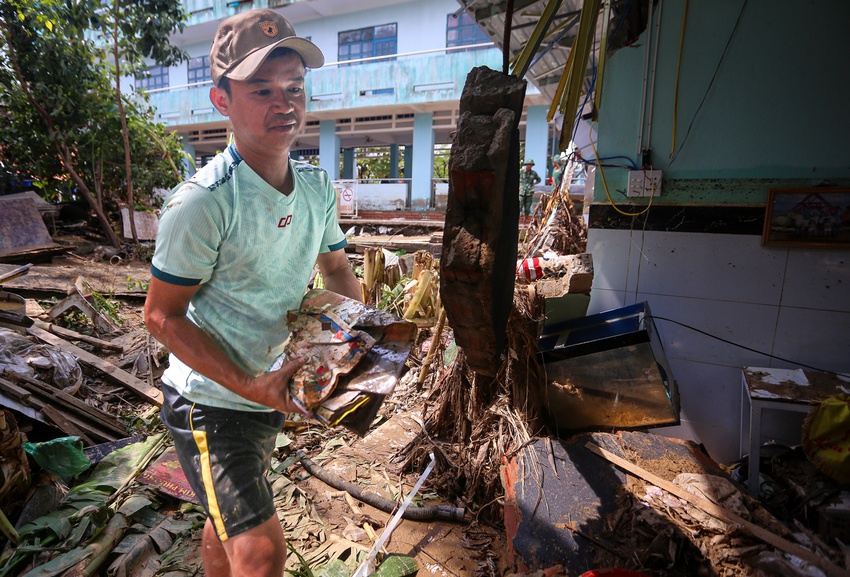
column 412, row 78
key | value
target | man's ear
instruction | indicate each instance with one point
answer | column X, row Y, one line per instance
column 220, row 100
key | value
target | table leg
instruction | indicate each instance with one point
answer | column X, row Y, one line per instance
column 755, row 446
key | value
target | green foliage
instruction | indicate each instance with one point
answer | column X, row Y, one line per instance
column 137, row 284
column 303, row 568
column 84, row 512
column 71, row 77
column 392, row 298
column 107, row 306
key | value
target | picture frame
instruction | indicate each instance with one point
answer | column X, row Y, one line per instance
column 807, row 217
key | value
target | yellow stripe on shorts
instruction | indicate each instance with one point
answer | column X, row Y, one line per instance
column 206, row 474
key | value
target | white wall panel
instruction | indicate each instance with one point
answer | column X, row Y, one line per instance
column 731, row 287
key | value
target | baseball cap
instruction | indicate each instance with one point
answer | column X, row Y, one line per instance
column 243, row 42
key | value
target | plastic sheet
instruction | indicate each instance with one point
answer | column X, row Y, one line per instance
column 20, row 355
column 63, row 456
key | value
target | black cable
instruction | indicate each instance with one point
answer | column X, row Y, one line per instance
column 673, row 157
column 734, row 344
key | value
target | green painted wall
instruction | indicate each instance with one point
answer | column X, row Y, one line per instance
column 764, row 93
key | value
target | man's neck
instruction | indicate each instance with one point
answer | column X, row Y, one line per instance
column 273, row 167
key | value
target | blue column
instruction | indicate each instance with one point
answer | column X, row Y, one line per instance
column 393, row 160
column 329, row 148
column 408, row 170
column 348, row 163
column 408, row 161
column 537, row 139
column 188, row 163
column 423, row 160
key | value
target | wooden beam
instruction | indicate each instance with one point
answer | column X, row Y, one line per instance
column 75, row 336
column 151, row 394
column 61, row 421
column 93, row 429
column 831, row 569
column 69, row 401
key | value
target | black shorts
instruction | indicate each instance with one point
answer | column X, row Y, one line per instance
column 225, row 455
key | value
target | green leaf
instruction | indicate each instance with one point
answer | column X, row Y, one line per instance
column 397, row 566
column 61, row 563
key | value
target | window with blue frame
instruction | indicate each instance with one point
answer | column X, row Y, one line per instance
column 463, row 30
column 368, row 42
column 199, row 69
column 155, row 77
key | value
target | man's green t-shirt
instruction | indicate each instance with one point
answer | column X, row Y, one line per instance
column 252, row 250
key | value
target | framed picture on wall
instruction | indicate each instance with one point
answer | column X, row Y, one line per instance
column 807, row 217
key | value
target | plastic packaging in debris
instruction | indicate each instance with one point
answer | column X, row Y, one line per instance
column 63, row 456
column 20, row 355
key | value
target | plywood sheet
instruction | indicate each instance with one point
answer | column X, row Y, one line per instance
column 21, row 227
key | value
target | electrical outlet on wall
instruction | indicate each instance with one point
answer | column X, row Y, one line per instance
column 644, row 183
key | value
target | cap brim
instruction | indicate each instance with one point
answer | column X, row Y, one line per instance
column 309, row 52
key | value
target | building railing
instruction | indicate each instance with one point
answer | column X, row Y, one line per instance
column 387, row 194
column 421, row 77
column 446, row 50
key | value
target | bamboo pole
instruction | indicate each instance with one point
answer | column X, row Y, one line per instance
column 432, row 350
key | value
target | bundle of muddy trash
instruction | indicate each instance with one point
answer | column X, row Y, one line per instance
column 354, row 355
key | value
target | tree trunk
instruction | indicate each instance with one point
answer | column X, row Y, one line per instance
column 131, row 203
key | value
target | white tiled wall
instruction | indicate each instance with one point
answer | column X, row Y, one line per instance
column 791, row 303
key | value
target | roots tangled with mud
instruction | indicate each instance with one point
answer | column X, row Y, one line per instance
column 471, row 422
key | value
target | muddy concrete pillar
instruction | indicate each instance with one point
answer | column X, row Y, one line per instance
column 478, row 266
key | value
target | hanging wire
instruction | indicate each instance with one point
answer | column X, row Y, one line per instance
column 673, row 157
column 746, row 348
column 678, row 77
column 608, row 192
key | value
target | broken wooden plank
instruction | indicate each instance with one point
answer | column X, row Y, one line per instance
column 831, row 569
column 36, row 404
column 124, row 378
column 61, row 397
column 75, row 336
column 61, row 421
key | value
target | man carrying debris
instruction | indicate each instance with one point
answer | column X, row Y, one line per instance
column 527, row 179
column 235, row 249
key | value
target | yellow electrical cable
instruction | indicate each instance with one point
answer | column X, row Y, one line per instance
column 608, row 193
column 678, row 72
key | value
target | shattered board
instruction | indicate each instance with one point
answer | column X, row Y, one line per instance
column 560, row 509
column 369, row 350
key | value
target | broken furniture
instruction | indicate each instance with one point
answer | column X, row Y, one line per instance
column 608, row 371
column 785, row 390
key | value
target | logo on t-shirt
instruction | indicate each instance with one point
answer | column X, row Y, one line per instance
column 285, row 221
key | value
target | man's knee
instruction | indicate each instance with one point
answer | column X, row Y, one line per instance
column 260, row 551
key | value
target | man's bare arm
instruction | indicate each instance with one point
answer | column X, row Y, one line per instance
column 165, row 316
column 338, row 275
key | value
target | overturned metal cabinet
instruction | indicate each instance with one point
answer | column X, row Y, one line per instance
column 608, row 371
